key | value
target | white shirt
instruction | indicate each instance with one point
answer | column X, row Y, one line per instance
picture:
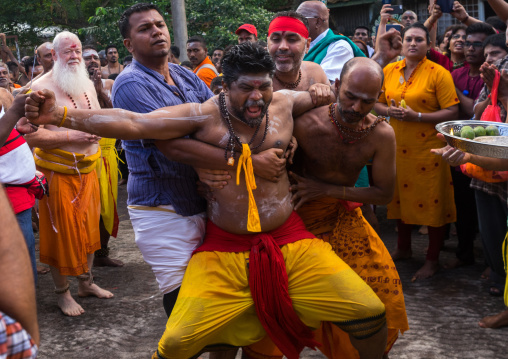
column 337, row 55
column 371, row 50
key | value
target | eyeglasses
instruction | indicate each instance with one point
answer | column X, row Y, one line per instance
column 476, row 44
column 457, row 36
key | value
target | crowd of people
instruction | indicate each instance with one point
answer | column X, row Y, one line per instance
column 325, row 128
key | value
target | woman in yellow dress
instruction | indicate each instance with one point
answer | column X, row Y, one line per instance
column 418, row 94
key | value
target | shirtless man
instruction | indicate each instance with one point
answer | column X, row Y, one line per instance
column 93, row 66
column 238, row 116
column 68, row 159
column 113, row 66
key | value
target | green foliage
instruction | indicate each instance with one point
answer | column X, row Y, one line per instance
column 217, row 20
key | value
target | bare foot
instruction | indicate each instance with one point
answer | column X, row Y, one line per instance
column 42, row 270
column 485, row 274
column 495, row 321
column 399, row 254
column 86, row 290
column 456, row 263
column 428, row 270
column 68, row 305
column 107, row 262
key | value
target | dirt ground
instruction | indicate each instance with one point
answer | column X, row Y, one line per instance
column 443, row 311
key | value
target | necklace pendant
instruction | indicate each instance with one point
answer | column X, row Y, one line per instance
column 401, row 80
column 231, row 161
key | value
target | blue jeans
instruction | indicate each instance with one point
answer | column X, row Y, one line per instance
column 25, row 223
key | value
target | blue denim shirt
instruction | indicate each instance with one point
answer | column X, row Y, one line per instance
column 153, row 179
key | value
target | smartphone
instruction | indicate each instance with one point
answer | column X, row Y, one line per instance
column 386, row 2
column 397, row 9
column 394, row 26
column 446, row 5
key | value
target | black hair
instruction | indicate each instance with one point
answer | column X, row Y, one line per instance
column 454, row 29
column 496, row 23
column 89, row 47
column 30, row 62
column 123, row 23
column 246, row 58
column 12, row 66
column 175, row 50
column 217, row 81
column 127, row 58
column 197, row 38
column 294, row 15
column 417, row 25
column 366, row 51
column 363, row 27
column 218, row 48
column 440, row 39
column 262, row 43
column 480, row 28
column 187, row 64
column 110, row 46
column 498, row 40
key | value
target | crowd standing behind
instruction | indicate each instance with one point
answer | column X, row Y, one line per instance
column 370, row 102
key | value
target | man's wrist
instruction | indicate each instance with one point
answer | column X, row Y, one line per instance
column 465, row 19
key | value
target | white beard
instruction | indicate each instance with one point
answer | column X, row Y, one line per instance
column 71, row 80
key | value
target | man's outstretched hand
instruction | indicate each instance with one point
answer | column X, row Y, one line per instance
column 41, row 108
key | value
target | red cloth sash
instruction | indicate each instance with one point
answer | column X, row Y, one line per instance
column 287, row 23
column 268, row 280
column 13, row 141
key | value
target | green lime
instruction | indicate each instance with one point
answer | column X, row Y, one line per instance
column 479, row 131
column 467, row 132
column 492, row 130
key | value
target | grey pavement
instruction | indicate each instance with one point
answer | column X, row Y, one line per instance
column 443, row 311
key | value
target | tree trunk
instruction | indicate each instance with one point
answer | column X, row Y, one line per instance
column 180, row 27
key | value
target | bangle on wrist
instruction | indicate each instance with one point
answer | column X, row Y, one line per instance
column 419, row 117
column 64, row 117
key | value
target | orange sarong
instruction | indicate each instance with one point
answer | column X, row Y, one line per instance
column 69, row 217
column 357, row 244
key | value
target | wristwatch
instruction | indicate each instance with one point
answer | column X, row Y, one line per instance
column 419, row 117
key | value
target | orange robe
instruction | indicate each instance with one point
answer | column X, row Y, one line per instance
column 356, row 243
column 69, row 217
column 424, row 189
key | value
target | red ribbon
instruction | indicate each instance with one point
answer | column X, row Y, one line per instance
column 286, row 23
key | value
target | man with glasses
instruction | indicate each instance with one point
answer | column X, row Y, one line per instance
column 326, row 49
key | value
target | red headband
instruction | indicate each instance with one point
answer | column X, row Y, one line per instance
column 286, row 23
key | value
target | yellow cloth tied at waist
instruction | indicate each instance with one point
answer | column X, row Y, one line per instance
column 66, row 162
column 245, row 162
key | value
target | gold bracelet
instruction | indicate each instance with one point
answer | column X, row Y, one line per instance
column 64, row 117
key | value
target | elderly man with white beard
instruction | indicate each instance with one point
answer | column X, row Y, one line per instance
column 69, row 217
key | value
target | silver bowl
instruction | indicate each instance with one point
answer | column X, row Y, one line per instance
column 496, row 150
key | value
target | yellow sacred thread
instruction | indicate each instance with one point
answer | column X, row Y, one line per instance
column 245, row 161
column 64, row 117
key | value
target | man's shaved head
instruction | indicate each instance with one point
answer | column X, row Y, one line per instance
column 313, row 9
column 45, row 46
column 57, row 42
column 364, row 65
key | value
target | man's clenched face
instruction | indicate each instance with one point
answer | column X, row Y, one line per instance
column 249, row 98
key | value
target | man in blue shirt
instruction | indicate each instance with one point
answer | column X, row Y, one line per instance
column 166, row 212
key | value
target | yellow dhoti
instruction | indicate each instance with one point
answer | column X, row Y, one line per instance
column 107, row 168
column 69, row 217
column 215, row 305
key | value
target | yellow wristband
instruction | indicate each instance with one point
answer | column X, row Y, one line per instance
column 64, row 117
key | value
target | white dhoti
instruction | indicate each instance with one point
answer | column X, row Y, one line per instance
column 166, row 241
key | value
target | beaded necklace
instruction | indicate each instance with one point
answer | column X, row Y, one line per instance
column 74, row 103
column 349, row 135
column 290, row 85
column 232, row 135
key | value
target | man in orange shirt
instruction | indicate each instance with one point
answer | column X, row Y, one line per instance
column 198, row 56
